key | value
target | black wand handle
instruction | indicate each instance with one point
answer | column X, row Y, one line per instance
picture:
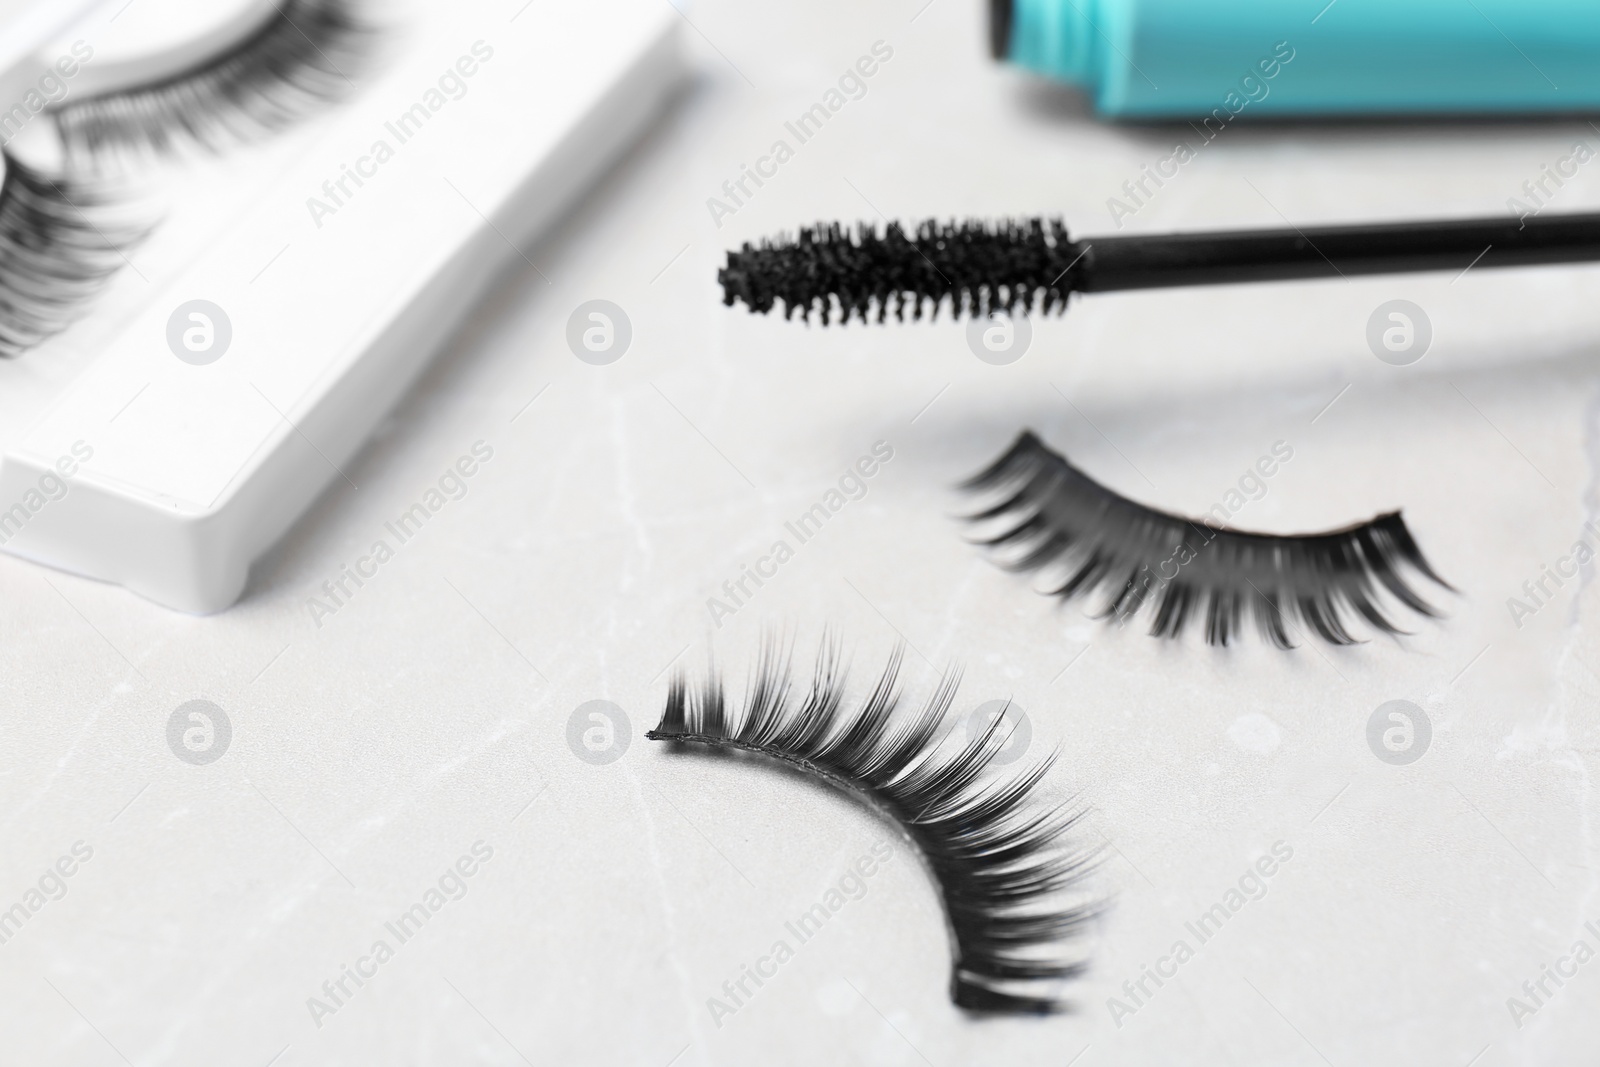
column 1148, row 262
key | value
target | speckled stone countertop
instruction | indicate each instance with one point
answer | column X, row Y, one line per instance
column 429, row 721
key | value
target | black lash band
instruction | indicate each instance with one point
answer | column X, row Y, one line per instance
column 53, row 255
column 1013, row 898
column 1061, row 518
column 304, row 55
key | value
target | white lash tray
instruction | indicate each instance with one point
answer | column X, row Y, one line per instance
column 194, row 470
column 24, row 29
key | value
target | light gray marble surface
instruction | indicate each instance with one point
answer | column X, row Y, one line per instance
column 374, row 746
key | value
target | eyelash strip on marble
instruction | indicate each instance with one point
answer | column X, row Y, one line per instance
column 1061, row 520
column 1014, row 894
column 56, row 253
column 301, row 58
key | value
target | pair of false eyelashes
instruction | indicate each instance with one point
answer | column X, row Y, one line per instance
column 59, row 239
column 1017, row 896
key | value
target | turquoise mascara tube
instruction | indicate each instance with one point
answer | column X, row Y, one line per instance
column 1181, row 59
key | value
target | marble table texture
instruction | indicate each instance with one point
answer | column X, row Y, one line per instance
column 375, row 739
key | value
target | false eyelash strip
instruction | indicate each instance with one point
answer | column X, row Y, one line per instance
column 1014, row 898
column 53, row 256
column 1060, row 519
column 302, row 57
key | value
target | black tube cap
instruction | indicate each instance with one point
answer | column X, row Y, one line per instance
column 999, row 28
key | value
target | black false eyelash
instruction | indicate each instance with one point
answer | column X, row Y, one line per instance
column 1061, row 518
column 1013, row 896
column 53, row 257
column 302, row 57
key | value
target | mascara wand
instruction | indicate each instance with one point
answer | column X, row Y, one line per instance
column 1032, row 264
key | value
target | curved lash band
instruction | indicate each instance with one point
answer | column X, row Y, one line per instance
column 301, row 57
column 1063, row 519
column 1014, row 900
column 53, row 255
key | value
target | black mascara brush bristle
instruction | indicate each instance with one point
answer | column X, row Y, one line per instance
column 970, row 268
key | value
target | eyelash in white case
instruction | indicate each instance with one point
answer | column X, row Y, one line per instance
column 302, row 56
column 60, row 242
column 214, row 457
